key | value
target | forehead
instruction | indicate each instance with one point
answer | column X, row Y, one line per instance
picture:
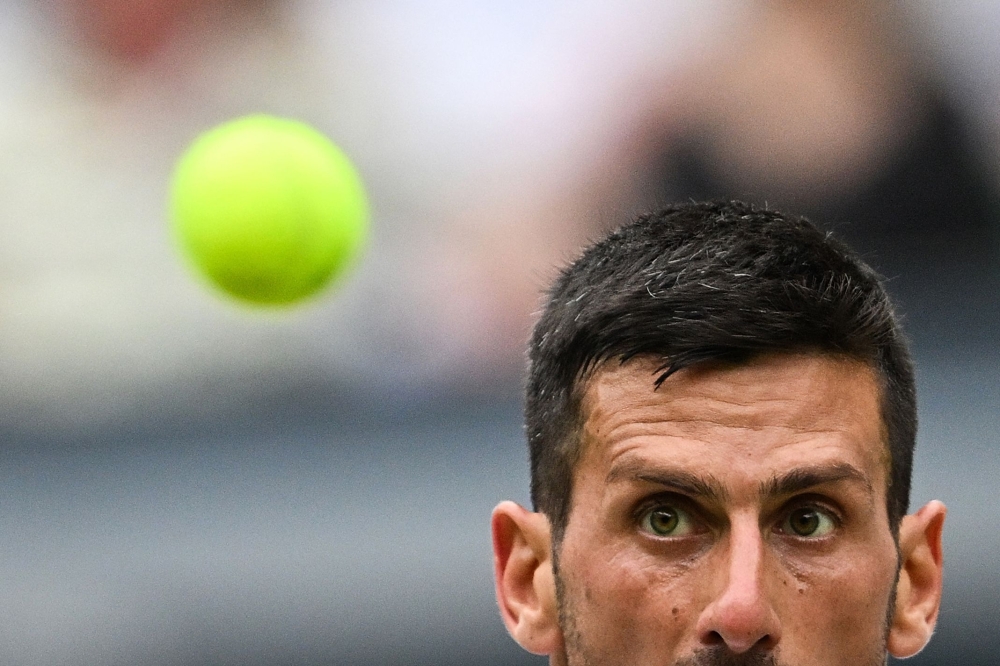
column 773, row 411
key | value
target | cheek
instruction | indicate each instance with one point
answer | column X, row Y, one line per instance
column 839, row 607
column 626, row 602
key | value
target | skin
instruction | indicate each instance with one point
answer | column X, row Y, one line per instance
column 737, row 515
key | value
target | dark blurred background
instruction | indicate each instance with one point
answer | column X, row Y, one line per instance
column 184, row 481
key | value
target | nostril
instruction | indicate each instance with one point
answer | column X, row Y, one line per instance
column 765, row 643
column 714, row 638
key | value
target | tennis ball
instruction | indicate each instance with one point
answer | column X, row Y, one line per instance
column 268, row 209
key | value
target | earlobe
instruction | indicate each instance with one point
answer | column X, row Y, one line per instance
column 918, row 591
column 525, row 583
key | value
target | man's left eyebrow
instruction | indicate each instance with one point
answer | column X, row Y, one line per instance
column 805, row 478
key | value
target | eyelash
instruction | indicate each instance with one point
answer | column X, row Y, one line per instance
column 835, row 516
column 815, row 502
column 671, row 500
column 661, row 499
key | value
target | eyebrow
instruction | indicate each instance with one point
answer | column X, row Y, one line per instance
column 795, row 481
column 804, row 478
column 639, row 471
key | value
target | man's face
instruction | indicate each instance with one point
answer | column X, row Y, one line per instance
column 735, row 515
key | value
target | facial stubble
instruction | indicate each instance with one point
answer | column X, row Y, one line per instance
column 579, row 654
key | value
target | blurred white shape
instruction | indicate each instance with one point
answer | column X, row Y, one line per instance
column 471, row 123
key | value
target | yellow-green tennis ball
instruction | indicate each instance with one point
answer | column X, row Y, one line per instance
column 268, row 209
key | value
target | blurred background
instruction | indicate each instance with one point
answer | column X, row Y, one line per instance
column 187, row 481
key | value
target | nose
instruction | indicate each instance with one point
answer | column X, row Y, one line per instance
column 741, row 614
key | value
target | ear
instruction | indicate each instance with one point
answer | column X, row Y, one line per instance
column 525, row 582
column 918, row 591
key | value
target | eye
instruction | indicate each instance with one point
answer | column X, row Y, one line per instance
column 808, row 522
column 665, row 520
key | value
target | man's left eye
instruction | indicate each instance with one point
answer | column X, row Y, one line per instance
column 808, row 522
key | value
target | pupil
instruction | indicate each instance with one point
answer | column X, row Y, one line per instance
column 805, row 522
column 663, row 520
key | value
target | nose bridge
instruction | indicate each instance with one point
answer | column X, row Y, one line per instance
column 741, row 613
column 745, row 562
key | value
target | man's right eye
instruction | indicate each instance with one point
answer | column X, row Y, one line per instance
column 665, row 520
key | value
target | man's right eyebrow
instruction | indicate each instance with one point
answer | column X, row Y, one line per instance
column 672, row 479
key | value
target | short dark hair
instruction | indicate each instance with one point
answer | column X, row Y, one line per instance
column 708, row 282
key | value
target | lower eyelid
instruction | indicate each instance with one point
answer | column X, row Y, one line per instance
column 688, row 524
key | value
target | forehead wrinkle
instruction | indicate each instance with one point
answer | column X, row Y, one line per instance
column 704, row 395
column 701, row 409
column 753, row 413
column 658, row 409
column 617, row 428
column 620, row 411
